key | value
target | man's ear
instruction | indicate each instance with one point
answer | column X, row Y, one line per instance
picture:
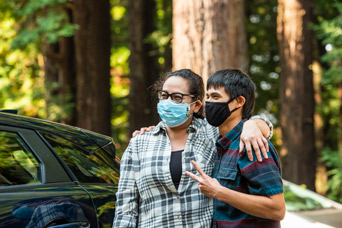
column 241, row 100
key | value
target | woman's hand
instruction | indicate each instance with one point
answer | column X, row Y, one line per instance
column 142, row 130
column 252, row 136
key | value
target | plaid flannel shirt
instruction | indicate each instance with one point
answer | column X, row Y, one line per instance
column 147, row 196
column 46, row 213
column 235, row 171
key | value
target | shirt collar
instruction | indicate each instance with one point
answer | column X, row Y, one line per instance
column 195, row 124
column 224, row 141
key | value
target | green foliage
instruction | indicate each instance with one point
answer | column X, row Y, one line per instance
column 21, row 86
column 119, row 72
column 264, row 58
column 25, row 25
column 333, row 161
column 160, row 40
column 45, row 21
column 161, row 37
column 329, row 32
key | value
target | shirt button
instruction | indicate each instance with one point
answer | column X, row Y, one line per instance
column 177, row 197
column 184, row 157
column 179, row 217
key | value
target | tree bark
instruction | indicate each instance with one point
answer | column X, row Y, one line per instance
column 209, row 36
column 143, row 70
column 92, row 48
column 59, row 61
column 297, row 95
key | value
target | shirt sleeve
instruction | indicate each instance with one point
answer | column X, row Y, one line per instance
column 263, row 178
column 127, row 196
column 268, row 122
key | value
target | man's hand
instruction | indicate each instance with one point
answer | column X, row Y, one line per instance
column 252, row 136
column 207, row 185
column 142, row 130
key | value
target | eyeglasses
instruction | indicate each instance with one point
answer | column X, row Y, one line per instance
column 178, row 97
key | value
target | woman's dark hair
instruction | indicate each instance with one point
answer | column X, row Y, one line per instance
column 196, row 86
column 236, row 84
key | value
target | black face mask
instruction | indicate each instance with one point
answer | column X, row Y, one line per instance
column 217, row 112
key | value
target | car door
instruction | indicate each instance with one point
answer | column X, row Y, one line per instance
column 35, row 189
column 96, row 171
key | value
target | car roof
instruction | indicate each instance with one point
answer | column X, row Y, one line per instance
column 82, row 137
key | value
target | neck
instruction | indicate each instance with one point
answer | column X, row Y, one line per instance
column 180, row 131
column 178, row 135
column 229, row 124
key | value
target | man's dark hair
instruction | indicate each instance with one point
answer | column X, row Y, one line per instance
column 236, row 84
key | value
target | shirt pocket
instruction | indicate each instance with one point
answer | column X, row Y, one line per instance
column 227, row 177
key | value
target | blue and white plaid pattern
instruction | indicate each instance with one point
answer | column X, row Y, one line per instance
column 46, row 213
column 147, row 196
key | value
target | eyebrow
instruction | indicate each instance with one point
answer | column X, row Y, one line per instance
column 213, row 93
column 173, row 92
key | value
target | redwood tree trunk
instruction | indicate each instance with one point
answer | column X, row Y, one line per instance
column 68, row 78
column 297, row 100
column 143, row 71
column 92, row 46
column 59, row 61
column 209, row 35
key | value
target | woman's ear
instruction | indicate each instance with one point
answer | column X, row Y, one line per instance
column 241, row 100
column 198, row 106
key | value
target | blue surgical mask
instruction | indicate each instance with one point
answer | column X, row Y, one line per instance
column 173, row 113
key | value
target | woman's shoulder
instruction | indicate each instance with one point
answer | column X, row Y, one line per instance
column 149, row 136
column 205, row 128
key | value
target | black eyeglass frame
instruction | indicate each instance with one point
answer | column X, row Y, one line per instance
column 160, row 93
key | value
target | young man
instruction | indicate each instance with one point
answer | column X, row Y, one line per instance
column 246, row 193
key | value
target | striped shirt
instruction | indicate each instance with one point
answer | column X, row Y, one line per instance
column 234, row 170
column 147, row 196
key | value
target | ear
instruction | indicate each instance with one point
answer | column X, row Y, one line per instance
column 198, row 106
column 241, row 100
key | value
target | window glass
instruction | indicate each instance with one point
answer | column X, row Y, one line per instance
column 88, row 167
column 18, row 164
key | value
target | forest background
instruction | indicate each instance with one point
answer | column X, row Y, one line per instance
column 92, row 63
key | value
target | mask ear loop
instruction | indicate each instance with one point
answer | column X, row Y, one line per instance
column 189, row 107
column 230, row 100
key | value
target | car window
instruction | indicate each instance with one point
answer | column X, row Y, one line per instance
column 88, row 167
column 18, row 164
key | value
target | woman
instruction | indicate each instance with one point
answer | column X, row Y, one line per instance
column 153, row 189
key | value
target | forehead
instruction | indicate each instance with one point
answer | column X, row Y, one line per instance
column 176, row 84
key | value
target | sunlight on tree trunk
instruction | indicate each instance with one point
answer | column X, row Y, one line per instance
column 297, row 101
column 321, row 171
column 209, row 36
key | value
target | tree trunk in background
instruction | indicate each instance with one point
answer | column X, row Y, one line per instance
column 59, row 70
column 68, row 78
column 51, row 72
column 297, row 99
column 321, row 174
column 209, row 36
column 92, row 48
column 143, row 71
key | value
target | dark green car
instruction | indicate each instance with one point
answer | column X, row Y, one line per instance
column 55, row 175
